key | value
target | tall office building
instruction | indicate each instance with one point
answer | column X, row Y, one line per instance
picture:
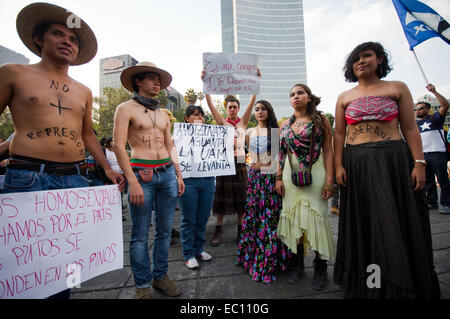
column 10, row 56
column 111, row 68
column 273, row 30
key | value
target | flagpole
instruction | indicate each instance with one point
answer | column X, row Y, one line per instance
column 420, row 67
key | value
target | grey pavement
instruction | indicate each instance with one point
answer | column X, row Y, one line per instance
column 220, row 278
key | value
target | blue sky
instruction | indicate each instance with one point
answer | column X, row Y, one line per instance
column 173, row 34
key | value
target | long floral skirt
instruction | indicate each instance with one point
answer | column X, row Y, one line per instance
column 260, row 251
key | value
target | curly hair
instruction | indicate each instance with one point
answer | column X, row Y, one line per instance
column 383, row 69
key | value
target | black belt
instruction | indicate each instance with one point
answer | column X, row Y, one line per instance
column 155, row 169
column 55, row 169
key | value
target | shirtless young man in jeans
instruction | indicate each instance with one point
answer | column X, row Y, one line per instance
column 50, row 110
column 153, row 175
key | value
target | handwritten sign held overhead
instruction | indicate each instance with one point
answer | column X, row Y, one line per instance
column 204, row 150
column 230, row 73
column 54, row 240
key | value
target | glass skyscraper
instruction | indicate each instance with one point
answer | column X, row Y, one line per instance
column 273, row 30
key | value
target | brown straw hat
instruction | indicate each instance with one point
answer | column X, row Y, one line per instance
column 39, row 13
column 127, row 75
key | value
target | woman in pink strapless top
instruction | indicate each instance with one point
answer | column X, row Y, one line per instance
column 384, row 248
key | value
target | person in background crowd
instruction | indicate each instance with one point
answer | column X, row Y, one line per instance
column 435, row 150
column 195, row 205
column 231, row 190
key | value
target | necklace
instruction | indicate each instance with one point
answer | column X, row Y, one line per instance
column 153, row 120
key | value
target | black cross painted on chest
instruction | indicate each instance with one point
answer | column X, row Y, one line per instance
column 59, row 107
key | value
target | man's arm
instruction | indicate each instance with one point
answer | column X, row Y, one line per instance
column 215, row 113
column 248, row 111
column 7, row 76
column 93, row 146
column 171, row 149
column 442, row 100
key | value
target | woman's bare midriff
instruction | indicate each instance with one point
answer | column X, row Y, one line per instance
column 373, row 131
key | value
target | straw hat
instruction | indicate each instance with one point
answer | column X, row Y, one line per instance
column 127, row 75
column 39, row 12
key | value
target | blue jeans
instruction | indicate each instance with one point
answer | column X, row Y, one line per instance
column 437, row 165
column 19, row 180
column 161, row 192
column 195, row 205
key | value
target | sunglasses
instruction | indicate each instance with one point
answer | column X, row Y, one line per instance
column 420, row 108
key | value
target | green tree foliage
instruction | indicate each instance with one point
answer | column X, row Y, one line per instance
column 163, row 98
column 6, row 124
column 190, row 97
column 104, row 115
column 330, row 119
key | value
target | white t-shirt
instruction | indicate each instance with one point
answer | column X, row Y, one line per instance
column 112, row 161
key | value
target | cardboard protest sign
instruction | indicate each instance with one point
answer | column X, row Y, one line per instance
column 204, row 150
column 54, row 240
column 230, row 73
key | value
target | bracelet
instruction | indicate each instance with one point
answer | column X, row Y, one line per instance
column 423, row 162
column 279, row 177
column 329, row 187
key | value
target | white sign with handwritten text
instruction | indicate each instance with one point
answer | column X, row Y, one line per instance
column 230, row 73
column 54, row 240
column 204, row 150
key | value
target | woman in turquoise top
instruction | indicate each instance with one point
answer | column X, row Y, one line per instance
column 304, row 217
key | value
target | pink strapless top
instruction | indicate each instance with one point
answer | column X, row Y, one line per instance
column 371, row 108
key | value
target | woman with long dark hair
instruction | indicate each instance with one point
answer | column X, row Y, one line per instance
column 384, row 227
column 305, row 179
column 260, row 251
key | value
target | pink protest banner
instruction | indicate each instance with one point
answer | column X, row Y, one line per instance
column 230, row 73
column 54, row 240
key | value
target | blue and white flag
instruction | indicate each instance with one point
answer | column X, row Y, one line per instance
column 420, row 22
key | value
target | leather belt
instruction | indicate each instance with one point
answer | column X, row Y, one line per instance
column 155, row 169
column 55, row 169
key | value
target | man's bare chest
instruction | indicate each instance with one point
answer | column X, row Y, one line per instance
column 50, row 97
column 151, row 122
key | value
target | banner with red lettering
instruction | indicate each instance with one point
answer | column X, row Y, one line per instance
column 54, row 240
column 230, row 73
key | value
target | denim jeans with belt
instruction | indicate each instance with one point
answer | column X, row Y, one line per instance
column 161, row 192
column 19, row 180
column 437, row 165
column 195, row 204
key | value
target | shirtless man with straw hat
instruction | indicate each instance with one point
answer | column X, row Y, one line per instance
column 50, row 110
column 153, row 174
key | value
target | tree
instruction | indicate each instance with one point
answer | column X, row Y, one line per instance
column 200, row 96
column 190, row 97
column 6, row 124
column 104, row 115
column 163, row 98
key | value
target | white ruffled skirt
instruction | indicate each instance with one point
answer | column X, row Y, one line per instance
column 305, row 213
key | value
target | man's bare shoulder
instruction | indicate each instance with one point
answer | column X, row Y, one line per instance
column 164, row 115
column 81, row 86
column 13, row 69
column 126, row 105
